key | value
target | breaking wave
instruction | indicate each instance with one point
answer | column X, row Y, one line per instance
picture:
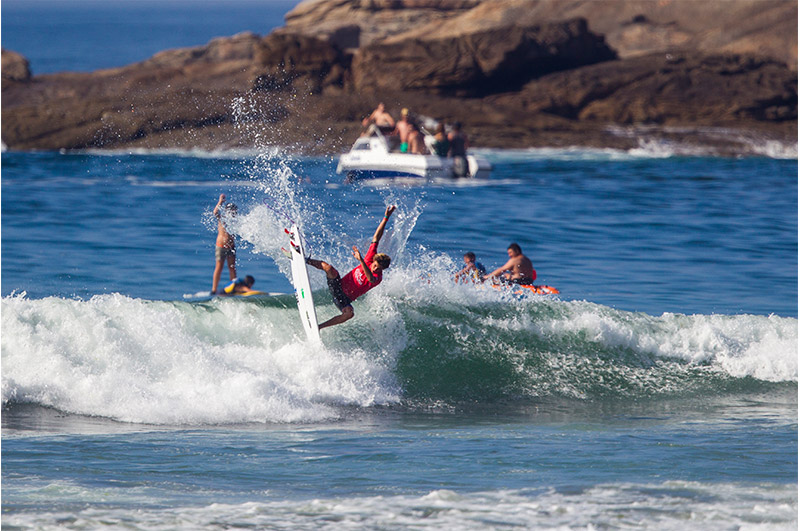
column 412, row 343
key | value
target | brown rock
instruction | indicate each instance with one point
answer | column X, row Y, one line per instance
column 376, row 19
column 14, row 67
column 667, row 89
column 495, row 60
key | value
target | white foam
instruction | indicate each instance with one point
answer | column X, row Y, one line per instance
column 671, row 505
column 763, row 347
column 177, row 363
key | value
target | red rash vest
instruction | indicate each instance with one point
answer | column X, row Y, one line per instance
column 355, row 283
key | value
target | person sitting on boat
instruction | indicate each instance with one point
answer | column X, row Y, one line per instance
column 458, row 150
column 365, row 276
column 472, row 270
column 403, row 129
column 239, row 286
column 381, row 118
column 518, row 269
column 441, row 145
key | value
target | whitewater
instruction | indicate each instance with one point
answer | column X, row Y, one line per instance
column 231, row 361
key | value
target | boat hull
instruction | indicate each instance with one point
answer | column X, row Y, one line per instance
column 371, row 158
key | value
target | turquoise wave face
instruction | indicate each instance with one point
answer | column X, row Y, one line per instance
column 411, row 344
column 580, row 350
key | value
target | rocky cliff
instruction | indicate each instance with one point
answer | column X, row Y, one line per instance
column 517, row 73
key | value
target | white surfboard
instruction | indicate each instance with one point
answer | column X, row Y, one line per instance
column 302, row 286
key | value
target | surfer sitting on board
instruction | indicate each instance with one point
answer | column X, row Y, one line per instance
column 226, row 246
column 518, row 269
column 360, row 280
column 240, row 286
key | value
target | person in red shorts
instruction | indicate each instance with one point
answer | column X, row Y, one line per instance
column 365, row 276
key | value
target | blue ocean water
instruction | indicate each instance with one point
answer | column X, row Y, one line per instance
column 87, row 35
column 658, row 390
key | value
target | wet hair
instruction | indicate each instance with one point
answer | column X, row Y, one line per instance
column 249, row 281
column 231, row 208
column 514, row 247
column 383, row 260
column 470, row 255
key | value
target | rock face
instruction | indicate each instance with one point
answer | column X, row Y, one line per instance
column 516, row 73
column 474, row 64
column 14, row 67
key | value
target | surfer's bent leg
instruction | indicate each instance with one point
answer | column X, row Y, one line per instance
column 340, row 300
column 330, row 271
column 346, row 315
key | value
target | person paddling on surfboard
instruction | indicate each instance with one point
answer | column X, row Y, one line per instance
column 518, row 269
column 360, row 280
column 240, row 286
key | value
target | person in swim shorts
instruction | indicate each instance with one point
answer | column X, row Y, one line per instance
column 518, row 269
column 403, row 129
column 225, row 250
column 365, row 276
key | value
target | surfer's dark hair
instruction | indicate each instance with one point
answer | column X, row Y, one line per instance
column 470, row 255
column 383, row 260
column 249, row 280
column 515, row 247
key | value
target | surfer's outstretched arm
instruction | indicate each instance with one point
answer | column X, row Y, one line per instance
column 364, row 267
column 382, row 225
column 497, row 272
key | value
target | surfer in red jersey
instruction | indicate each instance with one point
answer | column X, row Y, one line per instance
column 365, row 276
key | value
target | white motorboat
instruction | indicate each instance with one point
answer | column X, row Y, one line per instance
column 372, row 157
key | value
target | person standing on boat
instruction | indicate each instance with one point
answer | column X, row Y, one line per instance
column 518, row 269
column 403, row 130
column 458, row 150
column 381, row 118
column 415, row 143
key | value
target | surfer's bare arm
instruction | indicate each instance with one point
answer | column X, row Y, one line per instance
column 364, row 266
column 219, row 204
column 465, row 271
column 382, row 225
column 500, row 270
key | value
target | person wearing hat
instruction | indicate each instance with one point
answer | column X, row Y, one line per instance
column 403, row 130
